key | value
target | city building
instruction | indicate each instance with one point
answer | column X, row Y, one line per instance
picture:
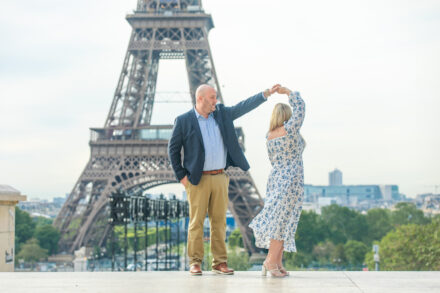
column 429, row 203
column 42, row 207
column 361, row 197
column 335, row 178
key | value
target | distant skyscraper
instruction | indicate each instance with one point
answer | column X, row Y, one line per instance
column 335, row 178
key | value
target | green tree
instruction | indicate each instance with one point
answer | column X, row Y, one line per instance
column 235, row 239
column 355, row 252
column 407, row 213
column 238, row 259
column 42, row 221
column 410, row 247
column 379, row 224
column 48, row 237
column 294, row 260
column 344, row 224
column 322, row 252
column 369, row 256
column 338, row 256
column 311, row 230
column 24, row 228
column 31, row 251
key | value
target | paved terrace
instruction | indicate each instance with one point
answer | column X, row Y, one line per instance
column 242, row 282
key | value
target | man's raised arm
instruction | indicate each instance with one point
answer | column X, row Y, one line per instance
column 251, row 103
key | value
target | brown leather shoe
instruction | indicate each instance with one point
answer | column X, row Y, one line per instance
column 223, row 269
column 195, row 270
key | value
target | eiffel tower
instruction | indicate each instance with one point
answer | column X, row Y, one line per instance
column 129, row 152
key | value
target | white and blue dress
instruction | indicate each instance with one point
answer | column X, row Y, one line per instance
column 285, row 187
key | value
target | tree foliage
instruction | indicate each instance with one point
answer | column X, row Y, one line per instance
column 410, row 247
column 48, row 237
column 310, row 231
column 344, row 224
column 355, row 251
column 238, row 259
column 24, row 228
column 379, row 224
column 32, row 252
column 235, row 239
column 407, row 213
column 39, row 228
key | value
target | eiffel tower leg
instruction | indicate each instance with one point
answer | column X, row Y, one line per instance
column 149, row 88
column 117, row 101
column 79, row 205
column 244, row 203
column 65, row 215
column 132, row 105
column 199, row 64
column 96, row 210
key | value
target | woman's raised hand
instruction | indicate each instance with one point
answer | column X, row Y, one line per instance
column 269, row 92
column 283, row 90
column 275, row 88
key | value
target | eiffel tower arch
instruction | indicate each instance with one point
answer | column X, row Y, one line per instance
column 129, row 152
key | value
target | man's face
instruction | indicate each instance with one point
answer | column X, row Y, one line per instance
column 209, row 100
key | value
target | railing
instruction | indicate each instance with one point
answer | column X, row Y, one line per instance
column 167, row 12
column 156, row 132
column 132, row 207
column 167, row 8
column 159, row 132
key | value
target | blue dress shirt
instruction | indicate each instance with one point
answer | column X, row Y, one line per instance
column 215, row 149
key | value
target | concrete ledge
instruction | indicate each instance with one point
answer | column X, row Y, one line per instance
column 242, row 282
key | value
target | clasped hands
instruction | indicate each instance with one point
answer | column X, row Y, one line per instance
column 276, row 89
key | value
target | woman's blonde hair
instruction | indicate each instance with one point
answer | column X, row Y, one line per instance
column 281, row 112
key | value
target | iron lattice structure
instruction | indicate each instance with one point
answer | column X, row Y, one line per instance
column 130, row 153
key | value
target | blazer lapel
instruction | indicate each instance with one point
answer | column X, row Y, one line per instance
column 196, row 126
column 219, row 122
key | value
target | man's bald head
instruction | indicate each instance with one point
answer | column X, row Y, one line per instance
column 203, row 89
column 206, row 99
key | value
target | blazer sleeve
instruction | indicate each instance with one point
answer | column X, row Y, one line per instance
column 246, row 106
column 174, row 150
column 298, row 110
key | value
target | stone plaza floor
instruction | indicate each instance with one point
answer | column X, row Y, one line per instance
column 242, row 282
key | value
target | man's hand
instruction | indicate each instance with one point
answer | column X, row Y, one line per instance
column 184, row 180
column 283, row 90
column 269, row 92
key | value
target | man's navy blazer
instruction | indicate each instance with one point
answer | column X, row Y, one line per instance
column 187, row 134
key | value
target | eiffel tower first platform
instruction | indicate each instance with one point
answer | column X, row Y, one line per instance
column 129, row 152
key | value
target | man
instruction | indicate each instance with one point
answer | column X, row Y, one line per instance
column 210, row 146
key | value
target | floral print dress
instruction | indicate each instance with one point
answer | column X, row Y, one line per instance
column 285, row 187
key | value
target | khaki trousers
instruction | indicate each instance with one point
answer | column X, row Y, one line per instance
column 210, row 195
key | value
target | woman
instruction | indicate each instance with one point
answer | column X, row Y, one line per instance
column 275, row 226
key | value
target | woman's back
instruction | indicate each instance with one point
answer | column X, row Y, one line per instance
column 285, row 144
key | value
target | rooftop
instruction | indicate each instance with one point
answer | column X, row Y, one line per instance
column 6, row 189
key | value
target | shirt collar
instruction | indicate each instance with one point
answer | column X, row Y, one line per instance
column 198, row 115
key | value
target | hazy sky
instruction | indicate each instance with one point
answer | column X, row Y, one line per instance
column 369, row 72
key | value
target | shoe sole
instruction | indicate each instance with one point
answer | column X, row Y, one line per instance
column 196, row 274
column 222, row 273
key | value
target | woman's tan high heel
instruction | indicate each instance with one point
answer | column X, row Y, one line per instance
column 275, row 272
column 284, row 271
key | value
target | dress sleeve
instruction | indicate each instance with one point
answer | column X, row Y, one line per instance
column 298, row 110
